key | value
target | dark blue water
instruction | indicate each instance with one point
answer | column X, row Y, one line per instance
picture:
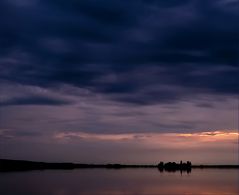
column 119, row 182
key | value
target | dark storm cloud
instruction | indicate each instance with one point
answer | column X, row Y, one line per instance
column 11, row 134
column 35, row 100
column 140, row 52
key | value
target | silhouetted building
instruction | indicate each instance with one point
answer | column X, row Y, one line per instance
column 173, row 166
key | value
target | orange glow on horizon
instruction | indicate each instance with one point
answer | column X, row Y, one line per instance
column 157, row 139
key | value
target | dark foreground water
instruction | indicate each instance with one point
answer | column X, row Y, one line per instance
column 119, row 182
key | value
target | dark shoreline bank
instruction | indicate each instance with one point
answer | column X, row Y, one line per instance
column 7, row 165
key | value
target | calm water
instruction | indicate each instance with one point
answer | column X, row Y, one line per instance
column 117, row 182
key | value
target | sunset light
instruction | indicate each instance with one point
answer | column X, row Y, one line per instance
column 119, row 97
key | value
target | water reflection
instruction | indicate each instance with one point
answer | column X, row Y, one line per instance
column 120, row 182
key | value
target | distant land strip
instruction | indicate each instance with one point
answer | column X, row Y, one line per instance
column 7, row 165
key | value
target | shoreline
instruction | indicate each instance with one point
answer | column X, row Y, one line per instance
column 7, row 165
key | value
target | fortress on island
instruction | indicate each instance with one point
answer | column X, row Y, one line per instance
column 172, row 166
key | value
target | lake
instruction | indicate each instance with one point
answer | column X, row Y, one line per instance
column 120, row 182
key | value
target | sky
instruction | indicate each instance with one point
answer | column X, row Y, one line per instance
column 102, row 81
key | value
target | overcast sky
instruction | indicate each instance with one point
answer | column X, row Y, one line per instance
column 119, row 81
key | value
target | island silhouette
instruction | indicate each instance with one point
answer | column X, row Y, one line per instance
column 24, row 165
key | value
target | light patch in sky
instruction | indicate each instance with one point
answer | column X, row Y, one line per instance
column 169, row 140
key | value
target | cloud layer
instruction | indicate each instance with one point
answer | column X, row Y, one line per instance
column 122, row 67
column 133, row 52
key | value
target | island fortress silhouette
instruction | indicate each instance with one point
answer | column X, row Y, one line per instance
column 23, row 165
column 171, row 166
